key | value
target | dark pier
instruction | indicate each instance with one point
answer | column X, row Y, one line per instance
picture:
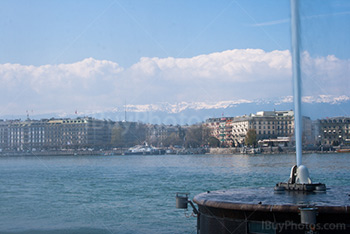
column 263, row 210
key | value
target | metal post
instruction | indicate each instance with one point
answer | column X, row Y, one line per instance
column 308, row 215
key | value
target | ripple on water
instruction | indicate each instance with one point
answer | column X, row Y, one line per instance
column 122, row 194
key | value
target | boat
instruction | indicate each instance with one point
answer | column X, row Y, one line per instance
column 246, row 150
column 343, row 151
column 143, row 149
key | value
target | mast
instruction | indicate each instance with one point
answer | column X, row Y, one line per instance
column 295, row 30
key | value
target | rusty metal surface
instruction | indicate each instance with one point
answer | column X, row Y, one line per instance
column 334, row 200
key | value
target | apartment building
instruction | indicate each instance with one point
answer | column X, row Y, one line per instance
column 334, row 131
column 54, row 133
column 221, row 128
column 267, row 125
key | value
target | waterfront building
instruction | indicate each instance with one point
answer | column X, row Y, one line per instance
column 54, row 134
column 267, row 125
column 3, row 135
column 221, row 128
column 334, row 131
column 213, row 124
column 225, row 131
column 165, row 135
column 156, row 134
column 128, row 134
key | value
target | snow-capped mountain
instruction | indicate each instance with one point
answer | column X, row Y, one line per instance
column 195, row 112
column 192, row 112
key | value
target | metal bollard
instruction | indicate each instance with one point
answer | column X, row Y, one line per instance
column 181, row 200
column 308, row 215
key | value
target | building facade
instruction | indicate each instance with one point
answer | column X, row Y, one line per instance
column 267, row 125
column 334, row 131
column 221, row 128
column 54, row 134
column 165, row 135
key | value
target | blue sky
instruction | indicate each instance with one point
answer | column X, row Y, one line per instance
column 50, row 32
column 59, row 56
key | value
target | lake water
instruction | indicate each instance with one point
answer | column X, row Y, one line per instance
column 134, row 194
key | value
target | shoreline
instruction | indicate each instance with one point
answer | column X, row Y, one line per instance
column 120, row 152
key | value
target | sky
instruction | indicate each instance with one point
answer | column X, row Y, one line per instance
column 62, row 56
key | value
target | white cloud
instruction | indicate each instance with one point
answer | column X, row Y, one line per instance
column 269, row 23
column 325, row 75
column 93, row 85
column 75, row 75
column 284, row 21
column 51, row 88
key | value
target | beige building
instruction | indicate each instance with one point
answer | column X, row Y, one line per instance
column 54, row 134
column 267, row 125
column 213, row 124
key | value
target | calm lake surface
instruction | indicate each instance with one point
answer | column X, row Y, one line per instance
column 134, row 194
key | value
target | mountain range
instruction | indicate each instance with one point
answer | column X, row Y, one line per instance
column 182, row 113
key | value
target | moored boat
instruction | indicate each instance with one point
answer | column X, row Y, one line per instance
column 343, row 150
column 143, row 149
